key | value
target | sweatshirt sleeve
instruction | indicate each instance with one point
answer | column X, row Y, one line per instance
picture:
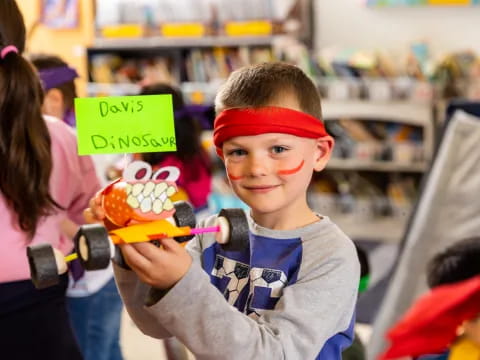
column 318, row 306
column 134, row 293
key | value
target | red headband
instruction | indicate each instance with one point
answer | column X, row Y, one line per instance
column 248, row 121
column 430, row 325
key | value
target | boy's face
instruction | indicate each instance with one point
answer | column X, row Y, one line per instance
column 271, row 172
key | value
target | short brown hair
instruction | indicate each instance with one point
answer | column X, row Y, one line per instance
column 257, row 85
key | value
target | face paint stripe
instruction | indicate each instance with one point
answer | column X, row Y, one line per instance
column 291, row 171
column 232, row 177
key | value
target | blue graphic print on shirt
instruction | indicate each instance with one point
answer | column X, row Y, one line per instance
column 253, row 280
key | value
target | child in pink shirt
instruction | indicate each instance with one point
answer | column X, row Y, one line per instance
column 42, row 183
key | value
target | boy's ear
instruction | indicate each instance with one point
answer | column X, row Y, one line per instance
column 323, row 151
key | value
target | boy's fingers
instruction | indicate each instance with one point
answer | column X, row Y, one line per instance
column 90, row 217
column 148, row 250
column 170, row 244
column 93, row 202
column 97, row 200
column 135, row 259
column 94, row 213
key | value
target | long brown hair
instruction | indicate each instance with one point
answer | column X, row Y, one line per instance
column 25, row 154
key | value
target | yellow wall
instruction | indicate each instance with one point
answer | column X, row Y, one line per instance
column 68, row 44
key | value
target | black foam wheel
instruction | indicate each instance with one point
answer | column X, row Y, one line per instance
column 43, row 266
column 92, row 246
column 238, row 238
column 184, row 216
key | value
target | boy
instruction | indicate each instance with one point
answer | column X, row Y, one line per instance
column 449, row 315
column 296, row 285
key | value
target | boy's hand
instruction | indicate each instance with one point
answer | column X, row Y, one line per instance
column 94, row 213
column 159, row 267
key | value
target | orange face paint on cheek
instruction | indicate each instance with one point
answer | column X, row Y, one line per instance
column 233, row 177
column 291, row 171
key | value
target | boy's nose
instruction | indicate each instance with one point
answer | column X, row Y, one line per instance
column 258, row 166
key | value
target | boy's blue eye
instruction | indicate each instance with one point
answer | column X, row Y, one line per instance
column 278, row 149
column 237, row 152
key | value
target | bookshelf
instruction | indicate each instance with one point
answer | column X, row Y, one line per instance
column 371, row 198
column 120, row 66
column 384, row 229
column 402, row 112
column 377, row 166
column 193, row 42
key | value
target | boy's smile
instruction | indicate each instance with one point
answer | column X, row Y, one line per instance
column 271, row 173
column 261, row 188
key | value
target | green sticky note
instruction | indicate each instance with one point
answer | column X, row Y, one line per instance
column 125, row 124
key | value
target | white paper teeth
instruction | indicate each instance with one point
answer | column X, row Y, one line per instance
column 159, row 189
column 168, row 205
column 150, row 196
column 148, row 188
column 146, row 205
column 132, row 202
column 163, row 196
column 137, row 189
column 157, row 206
column 171, row 190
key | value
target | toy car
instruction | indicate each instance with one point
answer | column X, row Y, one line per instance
column 140, row 210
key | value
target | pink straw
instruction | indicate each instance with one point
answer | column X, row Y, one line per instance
column 205, row 230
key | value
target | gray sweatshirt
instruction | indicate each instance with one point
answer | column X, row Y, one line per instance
column 290, row 295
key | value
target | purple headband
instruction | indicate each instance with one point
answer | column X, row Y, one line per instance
column 200, row 112
column 8, row 49
column 54, row 77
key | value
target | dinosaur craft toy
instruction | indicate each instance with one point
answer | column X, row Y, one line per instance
column 140, row 209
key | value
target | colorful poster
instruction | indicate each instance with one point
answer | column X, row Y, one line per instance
column 60, row 14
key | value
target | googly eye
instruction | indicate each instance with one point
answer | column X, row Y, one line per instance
column 167, row 173
column 137, row 171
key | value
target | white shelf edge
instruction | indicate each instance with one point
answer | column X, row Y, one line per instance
column 388, row 229
column 176, row 42
column 113, row 88
column 387, row 166
column 399, row 111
